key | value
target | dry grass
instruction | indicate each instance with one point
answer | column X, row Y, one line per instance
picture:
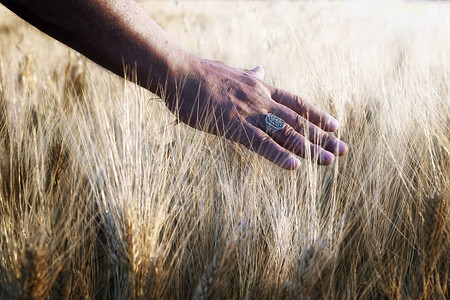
column 103, row 195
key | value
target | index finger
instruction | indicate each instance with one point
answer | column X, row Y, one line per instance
column 305, row 109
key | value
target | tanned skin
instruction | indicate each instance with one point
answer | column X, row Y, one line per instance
column 207, row 95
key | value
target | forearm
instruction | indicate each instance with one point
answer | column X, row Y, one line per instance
column 118, row 35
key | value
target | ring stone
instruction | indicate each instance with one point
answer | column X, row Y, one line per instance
column 274, row 123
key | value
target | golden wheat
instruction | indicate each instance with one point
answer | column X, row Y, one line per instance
column 105, row 195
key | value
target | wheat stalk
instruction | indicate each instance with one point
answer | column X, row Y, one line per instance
column 2, row 77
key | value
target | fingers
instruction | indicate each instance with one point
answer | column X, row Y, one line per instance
column 259, row 142
column 290, row 139
column 278, row 146
column 305, row 109
column 313, row 133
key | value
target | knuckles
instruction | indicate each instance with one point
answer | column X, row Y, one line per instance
column 300, row 103
column 300, row 124
column 249, row 80
column 289, row 132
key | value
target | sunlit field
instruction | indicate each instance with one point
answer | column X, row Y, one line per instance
column 105, row 195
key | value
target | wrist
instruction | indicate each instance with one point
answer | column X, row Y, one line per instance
column 180, row 68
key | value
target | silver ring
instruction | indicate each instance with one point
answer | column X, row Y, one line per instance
column 274, row 123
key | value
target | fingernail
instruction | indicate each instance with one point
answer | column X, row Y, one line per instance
column 294, row 162
column 334, row 124
column 326, row 157
column 342, row 148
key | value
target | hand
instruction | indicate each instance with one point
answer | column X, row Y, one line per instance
column 233, row 103
column 207, row 95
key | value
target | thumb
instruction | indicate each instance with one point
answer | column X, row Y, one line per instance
column 258, row 72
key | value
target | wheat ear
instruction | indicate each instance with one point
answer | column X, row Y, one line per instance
column 433, row 225
column 217, row 267
column 60, row 287
column 32, row 271
column 311, row 267
column 205, row 287
column 304, row 266
column 75, row 79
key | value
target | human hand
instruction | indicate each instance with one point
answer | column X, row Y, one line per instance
column 207, row 95
column 233, row 103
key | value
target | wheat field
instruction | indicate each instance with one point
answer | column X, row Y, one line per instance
column 104, row 195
